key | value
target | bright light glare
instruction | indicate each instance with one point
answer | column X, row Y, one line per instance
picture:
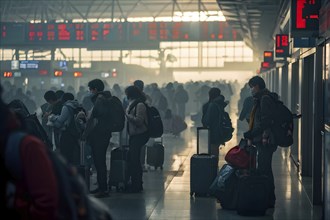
column 187, row 16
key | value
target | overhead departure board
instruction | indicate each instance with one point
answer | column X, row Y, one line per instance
column 112, row 34
column 56, row 32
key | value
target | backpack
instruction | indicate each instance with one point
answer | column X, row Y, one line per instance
column 226, row 127
column 282, row 124
column 30, row 121
column 117, row 113
column 113, row 118
column 155, row 123
column 76, row 126
column 74, row 201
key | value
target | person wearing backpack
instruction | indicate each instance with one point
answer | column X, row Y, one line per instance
column 39, row 181
column 137, row 122
column 98, row 133
column 213, row 112
column 69, row 138
column 259, row 133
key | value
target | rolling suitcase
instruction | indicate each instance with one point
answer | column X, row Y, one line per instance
column 118, row 175
column 82, row 169
column 203, row 170
column 155, row 154
column 253, row 191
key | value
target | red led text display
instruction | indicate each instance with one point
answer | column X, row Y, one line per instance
column 282, row 45
column 56, row 32
column 268, row 56
column 105, row 34
column 305, row 18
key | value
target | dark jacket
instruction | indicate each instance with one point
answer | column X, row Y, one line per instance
column 212, row 112
column 247, row 108
column 37, row 193
column 100, row 117
column 262, row 119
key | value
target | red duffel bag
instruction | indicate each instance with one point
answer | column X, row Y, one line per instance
column 240, row 158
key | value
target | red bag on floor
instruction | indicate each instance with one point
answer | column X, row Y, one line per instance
column 240, row 158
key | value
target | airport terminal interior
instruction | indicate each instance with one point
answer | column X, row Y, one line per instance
column 197, row 44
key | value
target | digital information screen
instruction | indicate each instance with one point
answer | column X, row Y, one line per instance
column 282, row 45
column 56, row 32
column 305, row 18
column 108, row 34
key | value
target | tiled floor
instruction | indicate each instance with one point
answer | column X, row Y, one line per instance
column 166, row 192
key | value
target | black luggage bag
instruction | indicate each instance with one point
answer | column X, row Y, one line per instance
column 224, row 187
column 253, row 192
column 155, row 154
column 82, row 169
column 203, row 170
column 118, row 175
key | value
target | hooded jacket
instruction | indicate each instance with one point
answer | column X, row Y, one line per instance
column 261, row 115
column 64, row 119
column 212, row 112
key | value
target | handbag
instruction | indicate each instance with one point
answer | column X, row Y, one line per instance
column 240, row 157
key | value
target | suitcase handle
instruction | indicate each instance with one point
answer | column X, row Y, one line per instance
column 208, row 141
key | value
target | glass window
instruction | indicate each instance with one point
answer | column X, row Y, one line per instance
column 193, row 52
column 238, row 51
column 204, row 62
column 193, row 62
column 211, row 52
column 96, row 55
column 220, row 62
column 230, row 52
column 184, row 62
column 7, row 54
column 230, row 43
column 212, row 62
column 86, row 55
column 229, row 59
column 106, row 55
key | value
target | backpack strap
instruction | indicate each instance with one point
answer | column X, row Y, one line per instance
column 12, row 154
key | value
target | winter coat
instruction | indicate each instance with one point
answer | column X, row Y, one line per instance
column 261, row 115
column 212, row 112
column 137, row 117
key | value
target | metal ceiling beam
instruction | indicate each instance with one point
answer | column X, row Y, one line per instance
column 133, row 8
column 162, row 9
column 120, row 9
column 112, row 10
column 76, row 10
column 89, row 8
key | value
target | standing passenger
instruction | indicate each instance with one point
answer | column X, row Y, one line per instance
column 36, row 194
column 98, row 134
column 213, row 112
column 259, row 132
column 138, row 135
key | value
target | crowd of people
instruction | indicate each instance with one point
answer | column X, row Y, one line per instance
column 69, row 117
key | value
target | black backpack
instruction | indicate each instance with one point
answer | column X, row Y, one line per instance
column 282, row 125
column 30, row 122
column 226, row 127
column 112, row 114
column 117, row 113
column 155, row 123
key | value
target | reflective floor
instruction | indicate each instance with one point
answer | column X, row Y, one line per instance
column 166, row 192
